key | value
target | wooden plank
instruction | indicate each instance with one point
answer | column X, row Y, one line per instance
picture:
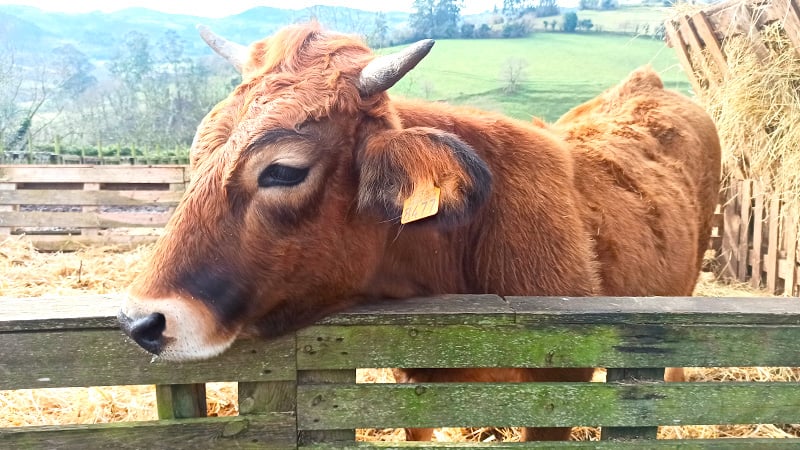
column 689, row 35
column 757, row 254
column 748, row 24
column 791, row 222
column 68, row 243
column 712, row 44
column 6, row 188
column 89, row 198
column 181, row 401
column 105, row 357
column 771, row 263
column 323, row 407
column 441, row 310
column 47, row 219
column 92, row 174
column 632, row 377
column 789, row 12
column 667, row 444
column 266, row 397
column 729, row 260
column 683, row 56
column 562, row 345
column 745, row 194
column 322, row 379
column 532, row 311
column 274, row 431
column 92, row 232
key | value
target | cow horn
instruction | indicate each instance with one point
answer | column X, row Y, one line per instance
column 384, row 71
column 236, row 54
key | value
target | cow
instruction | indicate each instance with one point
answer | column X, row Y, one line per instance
column 295, row 209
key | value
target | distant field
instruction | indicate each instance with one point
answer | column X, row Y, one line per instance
column 562, row 71
column 626, row 20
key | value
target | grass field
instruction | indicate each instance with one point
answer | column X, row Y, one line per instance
column 627, row 19
column 561, row 71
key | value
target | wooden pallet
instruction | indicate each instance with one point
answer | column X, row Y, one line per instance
column 61, row 207
column 707, row 31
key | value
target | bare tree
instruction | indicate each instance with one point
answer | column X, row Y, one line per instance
column 513, row 74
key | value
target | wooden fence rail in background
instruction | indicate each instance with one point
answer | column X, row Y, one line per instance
column 300, row 390
column 59, row 207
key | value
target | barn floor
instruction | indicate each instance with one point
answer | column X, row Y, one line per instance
column 24, row 272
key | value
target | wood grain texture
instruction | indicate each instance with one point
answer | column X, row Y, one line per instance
column 545, row 404
column 92, row 174
column 105, row 357
column 273, row 431
column 89, row 198
column 562, row 345
column 96, row 219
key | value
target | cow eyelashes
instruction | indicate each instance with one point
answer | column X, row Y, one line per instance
column 280, row 175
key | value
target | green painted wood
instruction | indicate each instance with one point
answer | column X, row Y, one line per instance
column 181, row 401
column 105, row 357
column 56, row 313
column 559, row 345
column 676, row 444
column 545, row 404
column 323, row 379
column 656, row 310
column 274, row 431
column 632, row 377
column 89, row 198
column 438, row 310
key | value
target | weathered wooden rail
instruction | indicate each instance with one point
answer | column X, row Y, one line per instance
column 300, row 390
column 61, row 207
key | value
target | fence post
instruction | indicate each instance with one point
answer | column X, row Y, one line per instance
column 181, row 401
column 632, row 376
column 337, row 437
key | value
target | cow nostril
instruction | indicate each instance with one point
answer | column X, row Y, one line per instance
column 148, row 332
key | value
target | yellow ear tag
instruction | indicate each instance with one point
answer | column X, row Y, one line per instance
column 424, row 202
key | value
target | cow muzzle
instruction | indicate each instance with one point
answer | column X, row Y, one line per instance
column 148, row 331
column 174, row 329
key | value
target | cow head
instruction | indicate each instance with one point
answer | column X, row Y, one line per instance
column 298, row 180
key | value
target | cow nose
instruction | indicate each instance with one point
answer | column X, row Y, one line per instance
column 148, row 332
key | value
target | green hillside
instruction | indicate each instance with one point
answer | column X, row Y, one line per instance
column 560, row 71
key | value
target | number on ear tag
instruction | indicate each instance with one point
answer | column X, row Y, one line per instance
column 422, row 203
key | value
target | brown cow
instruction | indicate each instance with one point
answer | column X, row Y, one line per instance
column 300, row 176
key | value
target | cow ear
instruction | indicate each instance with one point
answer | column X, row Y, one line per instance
column 406, row 167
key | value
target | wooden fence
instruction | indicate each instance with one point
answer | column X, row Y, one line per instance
column 60, row 207
column 759, row 242
column 300, row 390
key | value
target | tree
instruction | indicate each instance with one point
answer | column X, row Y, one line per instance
column 585, row 24
column 73, row 70
column 484, row 31
column 467, row 30
column 436, row 18
column 514, row 8
column 589, row 4
column 570, row 22
column 380, row 31
column 133, row 60
column 513, row 74
column 547, row 8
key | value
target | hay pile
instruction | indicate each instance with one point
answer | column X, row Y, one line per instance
column 26, row 272
column 755, row 103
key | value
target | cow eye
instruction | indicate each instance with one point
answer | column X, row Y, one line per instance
column 279, row 175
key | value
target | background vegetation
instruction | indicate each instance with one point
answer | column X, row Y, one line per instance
column 136, row 83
